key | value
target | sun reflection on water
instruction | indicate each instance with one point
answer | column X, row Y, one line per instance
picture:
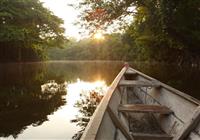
column 84, row 96
column 79, row 88
column 75, row 96
column 82, row 99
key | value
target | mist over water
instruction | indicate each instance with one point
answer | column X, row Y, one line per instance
column 46, row 100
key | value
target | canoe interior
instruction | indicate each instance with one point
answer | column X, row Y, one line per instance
column 141, row 108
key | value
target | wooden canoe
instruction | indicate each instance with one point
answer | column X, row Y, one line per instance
column 138, row 107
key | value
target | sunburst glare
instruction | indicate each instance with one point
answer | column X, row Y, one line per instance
column 81, row 87
column 99, row 36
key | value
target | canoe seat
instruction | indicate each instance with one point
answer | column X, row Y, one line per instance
column 143, row 136
column 130, row 76
column 143, row 108
column 129, row 71
column 138, row 83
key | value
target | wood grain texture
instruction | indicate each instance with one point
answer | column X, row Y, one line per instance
column 142, row 108
column 119, row 124
column 189, row 126
column 142, row 136
column 193, row 136
column 130, row 83
column 93, row 126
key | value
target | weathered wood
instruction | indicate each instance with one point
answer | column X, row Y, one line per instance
column 183, row 108
column 107, row 130
column 189, row 126
column 181, row 124
column 193, row 136
column 130, row 76
column 142, row 108
column 130, row 83
column 173, row 90
column 198, row 129
column 118, row 124
column 143, row 136
column 130, row 71
column 93, row 126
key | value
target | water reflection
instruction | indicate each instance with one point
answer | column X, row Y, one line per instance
column 21, row 110
column 22, row 103
column 26, row 112
column 32, row 104
column 90, row 95
column 51, row 87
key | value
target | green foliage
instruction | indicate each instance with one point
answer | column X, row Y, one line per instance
column 113, row 47
column 91, row 49
column 159, row 26
column 27, row 24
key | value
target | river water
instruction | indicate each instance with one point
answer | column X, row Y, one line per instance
column 48, row 100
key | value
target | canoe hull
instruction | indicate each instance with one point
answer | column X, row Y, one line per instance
column 108, row 122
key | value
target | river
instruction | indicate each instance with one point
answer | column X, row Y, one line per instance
column 46, row 100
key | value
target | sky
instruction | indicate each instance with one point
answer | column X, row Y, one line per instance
column 62, row 9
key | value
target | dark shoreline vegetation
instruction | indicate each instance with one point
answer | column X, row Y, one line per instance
column 115, row 47
column 162, row 32
column 165, row 31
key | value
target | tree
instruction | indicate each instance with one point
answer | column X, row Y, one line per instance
column 27, row 29
column 157, row 25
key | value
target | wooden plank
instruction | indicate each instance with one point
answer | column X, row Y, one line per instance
column 182, row 105
column 94, row 125
column 130, row 76
column 167, row 87
column 141, row 108
column 130, row 71
column 130, row 83
column 143, row 136
column 118, row 124
column 189, row 126
column 197, row 129
column 193, row 136
column 107, row 130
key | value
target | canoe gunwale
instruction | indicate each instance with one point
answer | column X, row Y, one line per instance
column 169, row 88
column 95, row 121
column 178, row 118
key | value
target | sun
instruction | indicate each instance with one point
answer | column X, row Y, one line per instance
column 98, row 36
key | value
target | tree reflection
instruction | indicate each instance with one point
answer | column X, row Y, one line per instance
column 23, row 104
column 52, row 87
column 21, row 101
column 87, row 105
